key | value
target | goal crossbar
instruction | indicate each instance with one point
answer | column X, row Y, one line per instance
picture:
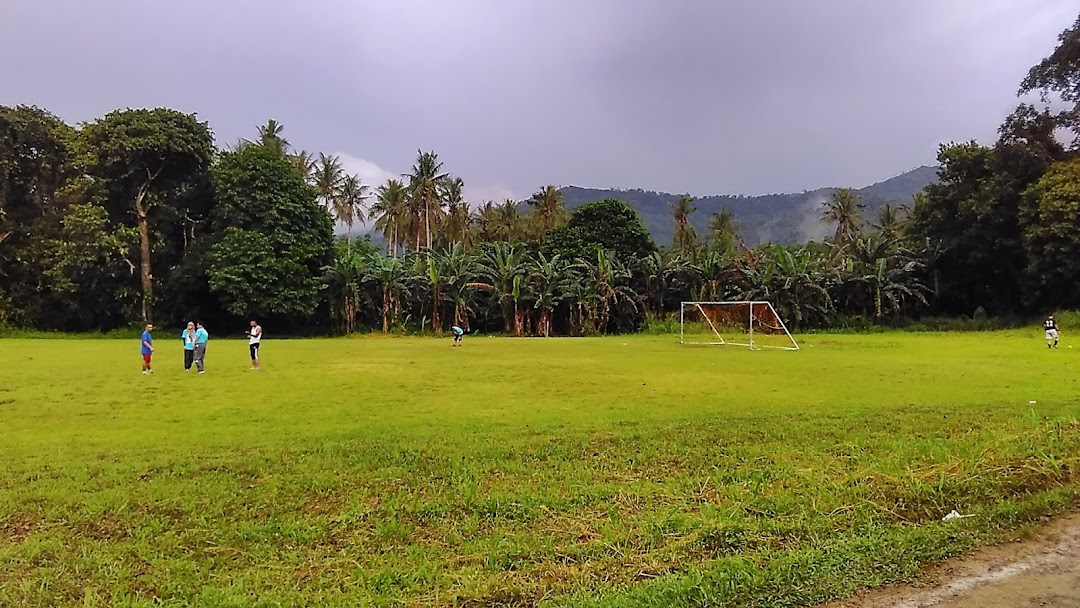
column 740, row 319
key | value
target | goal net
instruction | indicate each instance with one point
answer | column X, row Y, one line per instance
column 750, row 324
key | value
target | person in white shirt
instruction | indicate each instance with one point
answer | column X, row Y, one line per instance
column 254, row 340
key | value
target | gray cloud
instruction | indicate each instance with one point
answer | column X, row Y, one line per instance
column 680, row 95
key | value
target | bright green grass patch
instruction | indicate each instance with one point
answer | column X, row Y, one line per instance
column 575, row 472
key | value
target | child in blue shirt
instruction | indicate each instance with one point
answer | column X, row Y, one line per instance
column 147, row 350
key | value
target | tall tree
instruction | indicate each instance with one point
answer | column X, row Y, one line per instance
column 1059, row 73
column 304, row 163
column 844, row 210
column 723, row 231
column 506, row 222
column 349, row 205
column 328, row 177
column 274, row 238
column 609, row 225
column 270, row 136
column 425, row 180
column 456, row 229
column 549, row 210
column 890, row 221
column 145, row 156
column 391, row 214
column 684, row 230
column 1052, row 237
column 974, row 212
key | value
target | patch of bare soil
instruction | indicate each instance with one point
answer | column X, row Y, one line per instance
column 1043, row 570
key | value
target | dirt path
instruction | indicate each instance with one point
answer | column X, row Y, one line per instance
column 1041, row 571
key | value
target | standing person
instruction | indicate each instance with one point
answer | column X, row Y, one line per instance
column 1051, row 332
column 254, row 341
column 147, row 343
column 188, row 336
column 201, row 338
column 459, row 335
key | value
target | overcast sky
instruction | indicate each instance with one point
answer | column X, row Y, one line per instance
column 699, row 96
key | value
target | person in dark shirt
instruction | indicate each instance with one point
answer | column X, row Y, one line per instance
column 1051, row 332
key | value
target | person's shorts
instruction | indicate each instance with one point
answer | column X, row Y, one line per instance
column 254, row 350
column 1051, row 334
column 146, row 357
column 458, row 337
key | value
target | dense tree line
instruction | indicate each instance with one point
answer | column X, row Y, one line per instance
column 136, row 216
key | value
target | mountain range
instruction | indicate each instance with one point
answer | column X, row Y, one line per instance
column 776, row 218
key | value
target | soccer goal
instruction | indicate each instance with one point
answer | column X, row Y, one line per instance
column 751, row 324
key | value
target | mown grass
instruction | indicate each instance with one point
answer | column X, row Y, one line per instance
column 624, row 471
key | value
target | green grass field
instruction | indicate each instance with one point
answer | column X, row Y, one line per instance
column 623, row 471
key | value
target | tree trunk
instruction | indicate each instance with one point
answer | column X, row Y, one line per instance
column 436, row 325
column 877, row 304
column 508, row 318
column 144, row 264
column 386, row 311
column 427, row 224
column 142, row 217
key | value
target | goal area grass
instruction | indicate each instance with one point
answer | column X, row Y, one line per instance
column 617, row 471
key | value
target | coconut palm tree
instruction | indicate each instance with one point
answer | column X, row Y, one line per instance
column 328, row 177
column 506, row 222
column 890, row 221
column 723, row 230
column 390, row 212
column 684, row 230
column 484, row 220
column 425, row 180
column 349, row 205
column 549, row 211
column 456, row 224
column 270, row 136
column 304, row 164
column 845, row 211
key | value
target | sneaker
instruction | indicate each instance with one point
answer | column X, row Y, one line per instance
column 145, row 372
column 203, row 372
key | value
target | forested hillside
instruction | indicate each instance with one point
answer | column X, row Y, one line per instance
column 776, row 218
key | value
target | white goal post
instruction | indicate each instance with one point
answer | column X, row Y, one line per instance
column 753, row 324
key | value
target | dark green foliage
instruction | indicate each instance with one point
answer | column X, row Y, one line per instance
column 146, row 159
column 1052, row 240
column 609, row 225
column 1059, row 74
column 274, row 237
